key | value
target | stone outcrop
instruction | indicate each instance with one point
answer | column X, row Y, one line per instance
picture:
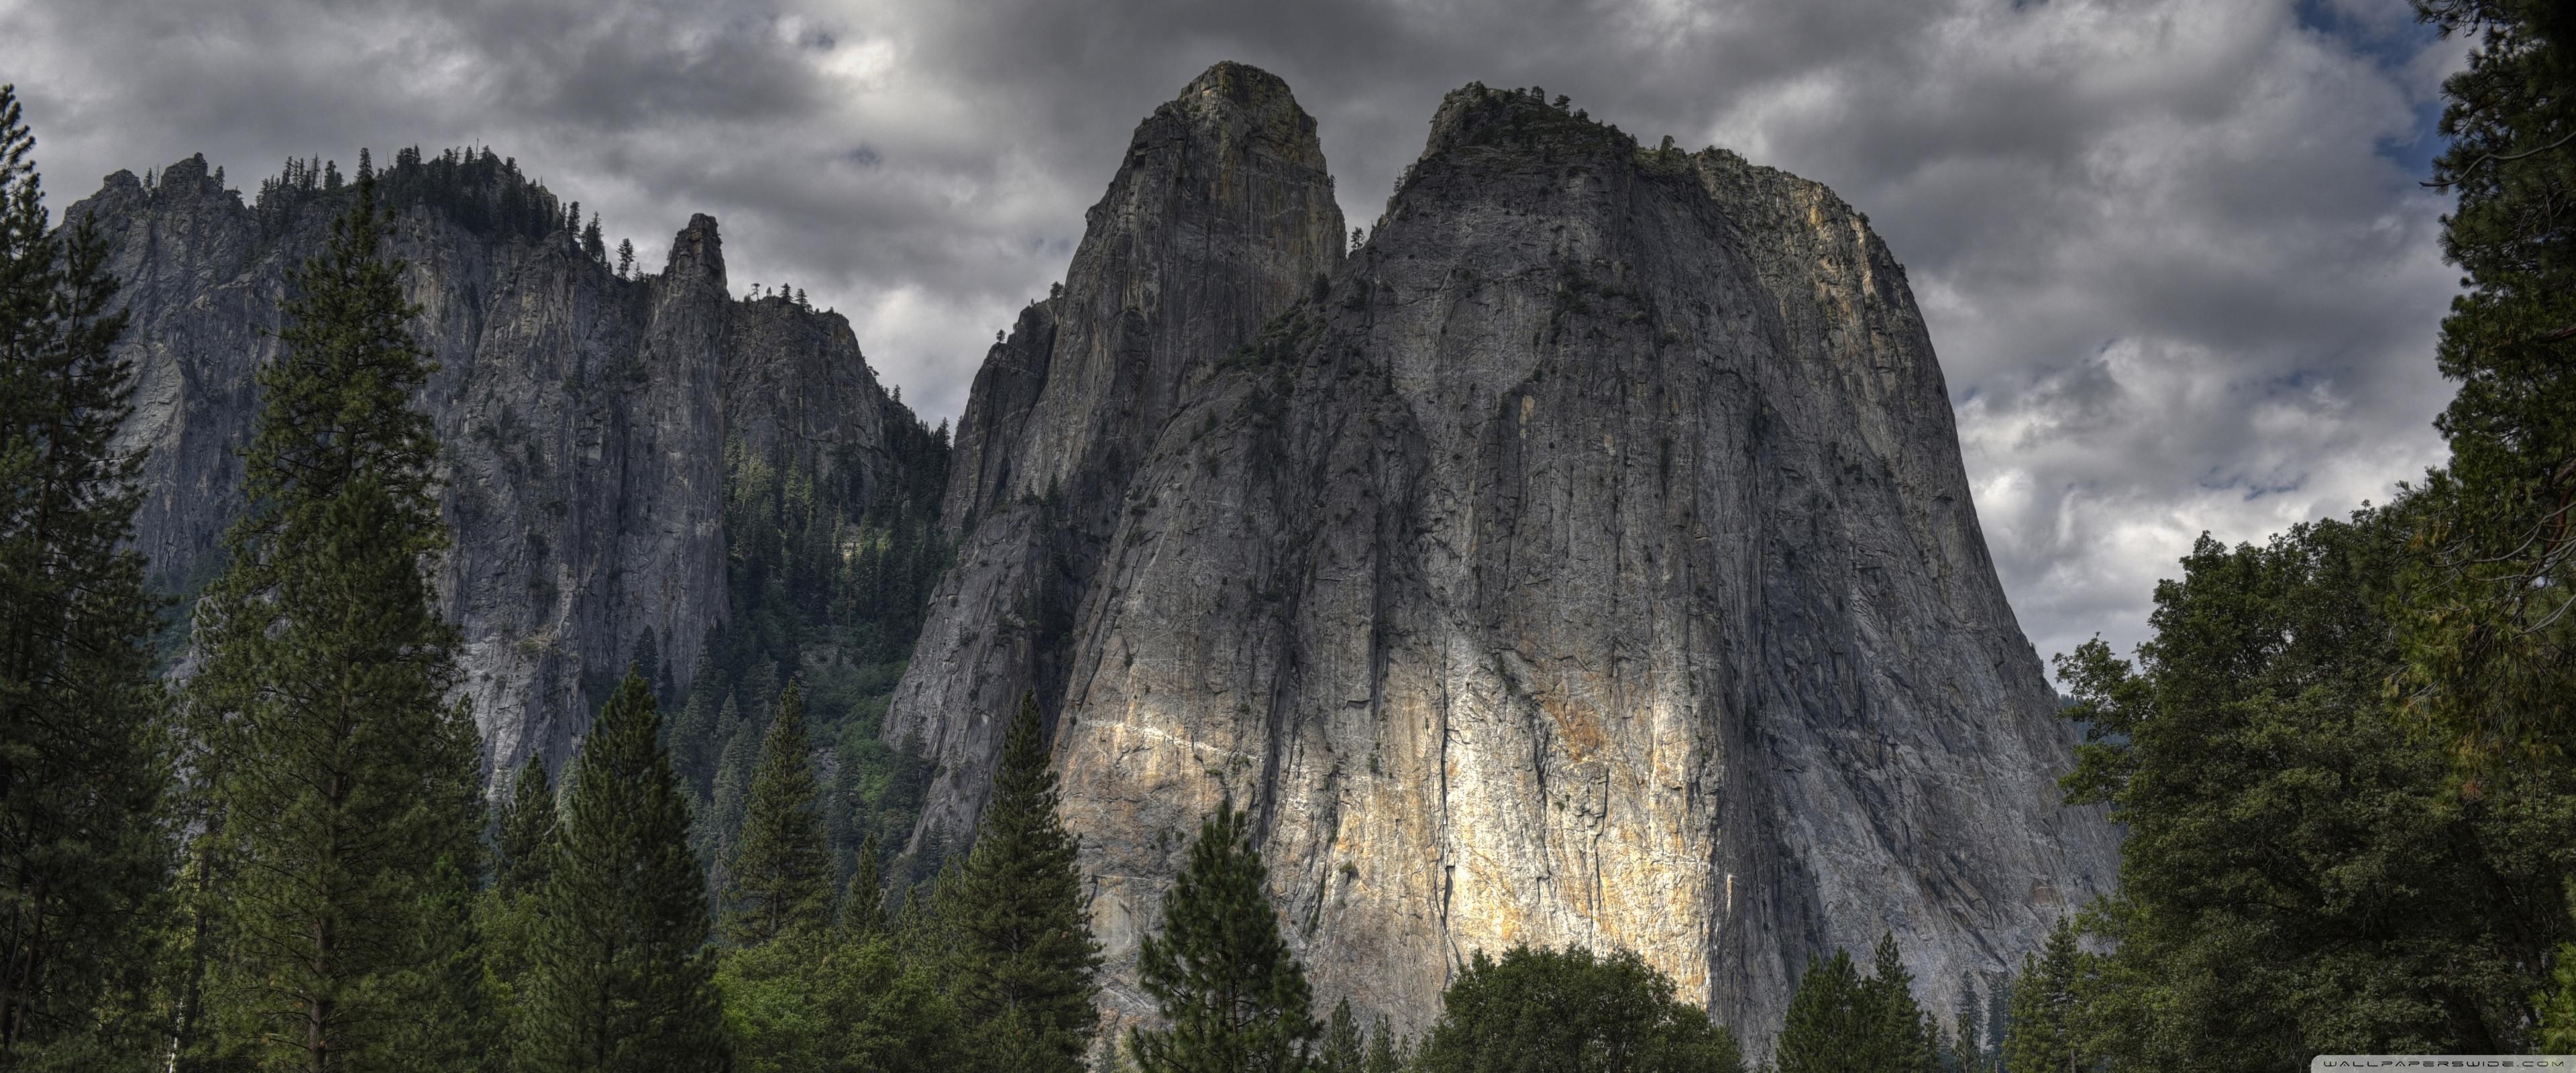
column 583, row 416
column 1221, row 216
column 1587, row 559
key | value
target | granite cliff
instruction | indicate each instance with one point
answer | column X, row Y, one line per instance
column 1586, row 558
column 584, row 413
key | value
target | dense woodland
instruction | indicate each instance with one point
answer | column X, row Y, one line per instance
column 2342, row 762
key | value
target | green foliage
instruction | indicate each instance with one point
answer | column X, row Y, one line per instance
column 1896, row 1031
column 2489, row 642
column 483, row 193
column 347, row 789
column 507, row 913
column 1386, row 1054
column 526, row 829
column 1826, row 1021
column 82, row 754
column 780, row 879
column 863, row 905
column 826, row 580
column 1568, row 1011
column 622, row 975
column 1840, row 1019
column 1232, row 997
column 832, row 1001
column 2047, row 1014
column 2301, row 874
column 1344, row 1049
column 1025, row 960
column 1967, row 1053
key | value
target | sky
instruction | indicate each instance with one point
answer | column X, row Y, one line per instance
column 2174, row 254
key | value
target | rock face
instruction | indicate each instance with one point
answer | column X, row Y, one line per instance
column 1221, row 216
column 584, row 417
column 1587, row 559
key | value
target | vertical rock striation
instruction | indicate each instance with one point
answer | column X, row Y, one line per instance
column 1221, row 216
column 1588, row 560
column 583, row 418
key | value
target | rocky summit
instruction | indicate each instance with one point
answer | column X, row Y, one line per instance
column 1587, row 558
column 1584, row 558
column 584, row 415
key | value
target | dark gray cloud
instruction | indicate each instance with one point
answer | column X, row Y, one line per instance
column 2172, row 253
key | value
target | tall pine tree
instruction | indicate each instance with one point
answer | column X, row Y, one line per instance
column 863, row 906
column 781, row 877
column 1232, row 997
column 507, row 913
column 81, row 762
column 1827, row 1020
column 526, row 830
column 622, row 974
column 1898, row 1036
column 1026, row 961
column 2490, row 642
column 2046, row 1024
column 347, row 786
column 1968, row 1052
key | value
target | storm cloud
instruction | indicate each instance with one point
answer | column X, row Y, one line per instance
column 2173, row 253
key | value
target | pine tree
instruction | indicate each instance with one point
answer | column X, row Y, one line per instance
column 1232, row 997
column 2489, row 639
column 1897, row 1035
column 81, row 756
column 780, row 879
column 1827, row 1019
column 863, row 908
column 1969, row 1055
column 2044, row 1017
column 737, row 763
column 1386, row 1054
column 347, row 786
column 1343, row 1050
column 595, row 246
column 1026, row 961
column 507, row 913
column 526, row 829
column 625, row 258
column 622, row 974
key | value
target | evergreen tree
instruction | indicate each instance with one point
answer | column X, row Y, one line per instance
column 527, row 829
column 737, row 763
column 1386, row 1054
column 1568, row 1011
column 2490, row 644
column 1344, row 1049
column 1026, row 962
column 597, row 248
column 507, row 913
column 863, row 908
column 2277, row 805
column 781, row 877
column 625, row 258
column 347, row 786
column 1828, row 1019
column 2046, row 1035
column 81, row 757
column 622, row 973
column 1967, row 1051
column 1897, row 1034
column 1231, row 995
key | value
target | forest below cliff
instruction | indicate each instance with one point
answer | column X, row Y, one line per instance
column 2341, row 765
